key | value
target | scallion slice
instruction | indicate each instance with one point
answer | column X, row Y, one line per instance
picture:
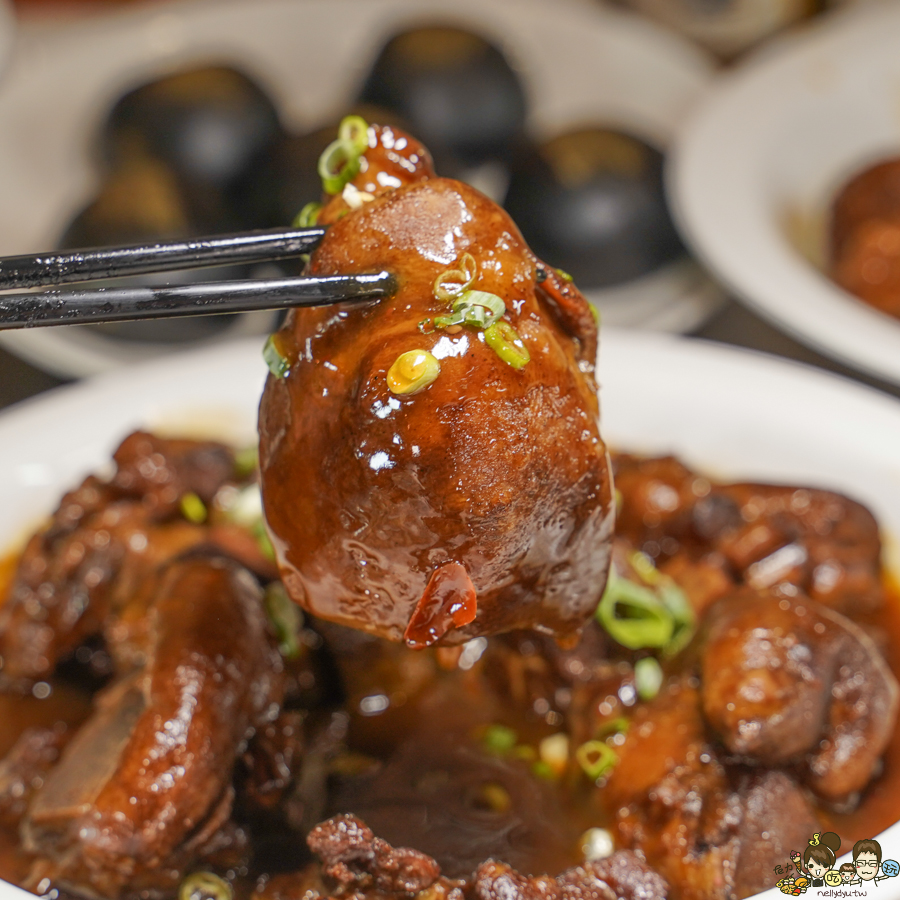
column 633, row 615
column 596, row 759
column 648, row 677
column 193, row 508
column 204, row 886
column 337, row 166
column 308, row 216
column 276, row 361
column 504, row 340
column 454, row 282
column 286, row 619
column 412, row 372
column 353, row 133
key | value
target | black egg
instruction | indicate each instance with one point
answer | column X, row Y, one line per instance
column 592, row 203
column 458, row 93
column 142, row 201
column 207, row 124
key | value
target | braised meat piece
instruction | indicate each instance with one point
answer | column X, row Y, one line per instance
column 790, row 681
column 101, row 550
column 815, row 541
column 622, row 876
column 703, row 824
column 473, row 503
column 355, row 863
column 144, row 788
column 865, row 236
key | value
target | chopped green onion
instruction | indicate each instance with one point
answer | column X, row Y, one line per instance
column 274, row 358
column 494, row 797
column 524, row 752
column 459, row 280
column 337, row 167
column 554, row 752
column 504, row 340
column 308, row 216
column 596, row 844
column 596, row 759
column 263, row 541
column 619, row 725
column 633, row 615
column 204, row 886
column 499, row 739
column 542, row 770
column 426, row 326
column 477, row 308
column 193, row 508
column 564, row 275
column 595, row 313
column 246, row 461
column 648, row 677
column 353, row 133
column 412, row 372
column 286, row 619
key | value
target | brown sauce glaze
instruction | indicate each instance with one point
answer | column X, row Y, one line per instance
column 497, row 469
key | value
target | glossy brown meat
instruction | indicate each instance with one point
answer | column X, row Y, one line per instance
column 767, row 536
column 703, row 824
column 791, row 681
column 355, row 863
column 144, row 789
column 865, row 236
column 102, row 548
column 495, row 474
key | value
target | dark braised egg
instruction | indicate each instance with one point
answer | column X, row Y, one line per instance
column 432, row 466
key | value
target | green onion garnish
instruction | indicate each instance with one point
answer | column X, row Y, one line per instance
column 286, row 619
column 337, row 167
column 204, row 886
column 275, row 359
column 477, row 308
column 504, row 340
column 564, row 275
column 542, row 770
column 648, row 677
column 412, row 372
column 340, row 161
column 499, row 739
column 633, row 615
column 457, row 280
column 308, row 216
column 596, row 759
column 193, row 508
column 595, row 313
column 263, row 541
column 246, row 461
column 353, row 133
column 619, row 725
column 653, row 613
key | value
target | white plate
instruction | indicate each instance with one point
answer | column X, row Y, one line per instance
column 756, row 168
column 733, row 413
column 580, row 63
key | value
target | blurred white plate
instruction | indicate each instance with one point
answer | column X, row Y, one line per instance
column 757, row 166
column 580, row 63
column 732, row 413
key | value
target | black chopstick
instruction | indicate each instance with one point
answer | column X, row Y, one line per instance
column 63, row 267
column 118, row 304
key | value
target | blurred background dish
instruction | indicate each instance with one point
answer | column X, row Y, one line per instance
column 117, row 128
column 757, row 171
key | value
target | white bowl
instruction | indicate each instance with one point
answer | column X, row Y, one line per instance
column 580, row 64
column 757, row 166
column 732, row 413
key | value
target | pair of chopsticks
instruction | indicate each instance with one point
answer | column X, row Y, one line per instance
column 116, row 304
